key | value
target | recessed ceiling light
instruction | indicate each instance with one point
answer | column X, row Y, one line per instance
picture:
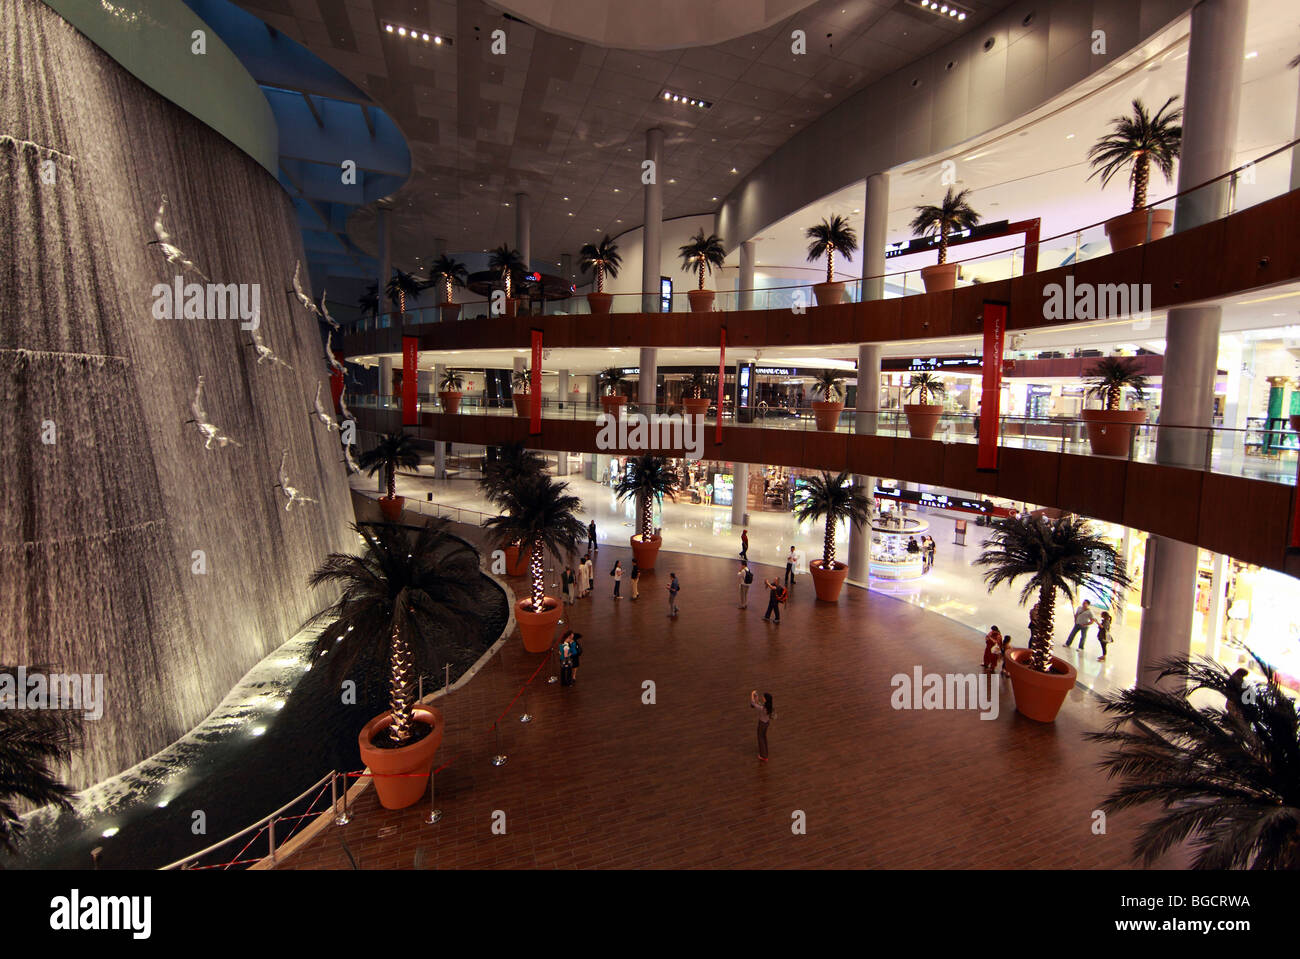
column 1252, row 55
column 734, row 170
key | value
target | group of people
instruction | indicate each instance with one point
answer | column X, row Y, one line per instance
column 777, row 593
column 926, row 548
column 1084, row 617
column 570, row 652
column 578, row 583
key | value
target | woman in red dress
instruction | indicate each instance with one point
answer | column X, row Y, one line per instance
column 992, row 648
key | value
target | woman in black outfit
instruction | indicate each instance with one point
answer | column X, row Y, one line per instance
column 765, row 714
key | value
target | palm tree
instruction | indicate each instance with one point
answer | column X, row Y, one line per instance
column 650, row 478
column 32, row 742
column 506, row 261
column 828, row 236
column 925, row 385
column 697, row 384
column 368, row 302
column 449, row 274
column 538, row 515
column 612, row 380
column 1063, row 555
column 1111, row 375
column 401, row 286
column 452, row 381
column 831, row 498
column 702, row 253
column 951, row 216
column 1227, row 778
column 394, row 450
column 397, row 594
column 830, row 385
column 521, row 381
column 514, row 463
column 1139, row 140
column 603, row 257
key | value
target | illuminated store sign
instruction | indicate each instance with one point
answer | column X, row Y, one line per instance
column 936, row 500
column 776, row 371
column 931, row 363
column 932, row 242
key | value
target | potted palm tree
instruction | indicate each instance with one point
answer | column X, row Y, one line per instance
column 826, row 411
column 521, row 388
column 32, row 743
column 1110, row 430
column 952, row 215
column 448, row 274
column 401, row 286
column 368, row 302
column 650, row 478
column 697, row 404
column 507, row 262
column 700, row 254
column 397, row 596
column 540, row 516
column 828, row 236
column 393, row 451
column 512, row 464
column 923, row 416
column 604, row 258
column 830, row 497
column 449, row 390
column 1225, row 778
column 1137, row 141
column 1062, row 555
column 613, row 399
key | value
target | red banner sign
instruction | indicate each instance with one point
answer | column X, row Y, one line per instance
column 995, row 328
column 535, row 412
column 410, row 381
column 722, row 369
column 337, row 384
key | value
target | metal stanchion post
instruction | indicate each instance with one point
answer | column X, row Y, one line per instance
column 420, row 695
column 500, row 758
column 340, row 819
column 435, row 814
column 446, row 680
column 526, row 717
column 554, row 678
column 270, row 831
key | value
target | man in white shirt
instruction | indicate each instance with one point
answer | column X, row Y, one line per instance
column 1083, row 618
column 744, row 578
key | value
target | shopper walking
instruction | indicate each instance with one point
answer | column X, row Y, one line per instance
column 992, row 648
column 591, row 574
column 569, row 580
column 1083, row 618
column 1103, row 634
column 765, row 716
column 636, row 580
column 791, row 560
column 1006, row 648
column 776, row 594
column 744, row 544
column 582, row 577
column 745, row 578
column 929, row 553
column 617, row 573
column 674, row 588
column 575, row 653
column 591, row 537
column 566, row 660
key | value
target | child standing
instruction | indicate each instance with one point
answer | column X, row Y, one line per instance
column 636, row 580
column 1103, row 634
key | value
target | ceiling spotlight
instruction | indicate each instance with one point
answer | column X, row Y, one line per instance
column 437, row 39
column 388, row 27
column 401, row 31
column 689, row 100
column 415, row 34
column 734, row 170
column 425, row 37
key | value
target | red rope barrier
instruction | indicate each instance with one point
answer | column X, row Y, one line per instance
column 522, row 688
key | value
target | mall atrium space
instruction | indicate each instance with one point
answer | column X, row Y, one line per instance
column 426, row 418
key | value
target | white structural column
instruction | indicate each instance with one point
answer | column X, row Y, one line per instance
column 746, row 275
column 1211, row 105
column 523, row 229
column 385, row 253
column 562, row 389
column 439, row 447
column 647, row 379
column 385, row 380
column 739, row 493
column 875, row 235
column 653, row 231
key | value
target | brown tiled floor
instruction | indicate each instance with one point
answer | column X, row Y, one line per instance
column 600, row 780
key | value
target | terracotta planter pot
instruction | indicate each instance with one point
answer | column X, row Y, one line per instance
column 523, row 404
column 646, row 552
column 450, row 400
column 538, row 629
column 392, row 508
column 828, row 294
column 1110, row 432
column 923, row 419
column 696, row 407
column 516, row 561
column 940, row 277
column 512, row 306
column 828, row 582
column 449, row 312
column 1039, row 696
column 827, row 415
column 599, row 303
column 701, row 300
column 395, row 785
column 1130, row 229
column 613, row 405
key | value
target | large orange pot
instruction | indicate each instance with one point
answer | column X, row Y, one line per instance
column 828, row 582
column 645, row 552
column 1130, row 229
column 827, row 414
column 400, row 775
column 1111, row 431
column 516, row 561
column 523, row 404
column 599, row 303
column 828, row 294
column 923, row 419
column 538, row 629
column 450, row 400
column 701, row 300
column 391, row 507
column 940, row 277
column 1039, row 696
column 613, row 405
column 697, row 407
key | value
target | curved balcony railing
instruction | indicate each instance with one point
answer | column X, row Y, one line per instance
column 1254, row 182
column 1269, row 455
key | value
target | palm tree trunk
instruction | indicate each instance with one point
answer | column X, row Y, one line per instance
column 1112, row 398
column 943, row 247
column 701, row 274
column 399, row 687
column 1040, row 640
column 446, row 289
column 600, row 278
column 1140, row 176
column 828, row 547
column 539, row 585
column 392, row 480
column 830, row 265
column 647, row 516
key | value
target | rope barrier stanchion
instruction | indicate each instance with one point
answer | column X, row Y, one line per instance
column 435, row 814
column 500, row 758
column 340, row 818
